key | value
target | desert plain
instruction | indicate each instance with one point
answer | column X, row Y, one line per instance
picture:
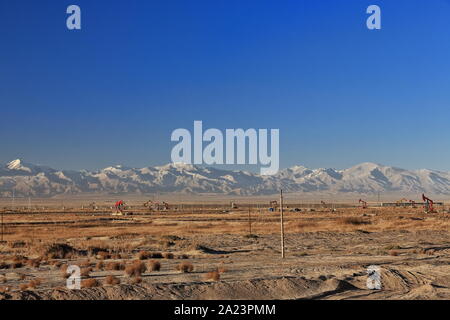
column 219, row 252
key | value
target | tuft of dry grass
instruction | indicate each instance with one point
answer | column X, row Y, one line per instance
column 90, row 283
column 115, row 266
column 58, row 251
column 104, row 255
column 34, row 283
column 144, row 255
column 85, row 272
column 356, row 221
column 222, row 269
column 168, row 255
column 136, row 269
column 112, row 280
column 185, row 267
column 23, row 287
column 154, row 265
column 136, row 280
column 393, row 253
column 213, row 275
column 85, row 263
column 100, row 266
column 34, row 263
column 4, row 289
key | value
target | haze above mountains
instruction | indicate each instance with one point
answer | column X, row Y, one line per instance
column 366, row 178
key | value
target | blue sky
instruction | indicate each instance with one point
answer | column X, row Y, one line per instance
column 114, row 91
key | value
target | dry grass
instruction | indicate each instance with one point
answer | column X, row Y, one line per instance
column 168, row 255
column 213, row 275
column 34, row 263
column 136, row 280
column 112, row 280
column 85, row 272
column 356, row 221
column 47, row 231
column 23, row 287
column 136, row 269
column 185, row 267
column 154, row 265
column 115, row 266
column 222, row 269
column 144, row 255
column 393, row 253
column 104, row 255
column 33, row 284
column 90, row 283
column 100, row 266
column 85, row 263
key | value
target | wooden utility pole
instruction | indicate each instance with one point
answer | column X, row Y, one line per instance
column 282, row 224
column 2, row 225
column 249, row 223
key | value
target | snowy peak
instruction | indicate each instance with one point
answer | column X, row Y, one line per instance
column 17, row 165
column 32, row 180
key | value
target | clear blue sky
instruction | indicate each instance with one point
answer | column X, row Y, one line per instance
column 114, row 91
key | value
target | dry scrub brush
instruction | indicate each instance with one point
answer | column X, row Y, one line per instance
column 154, row 265
column 112, row 280
column 115, row 266
column 90, row 283
column 136, row 269
column 185, row 267
column 144, row 255
column 213, row 275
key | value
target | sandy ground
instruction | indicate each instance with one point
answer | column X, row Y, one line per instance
column 327, row 254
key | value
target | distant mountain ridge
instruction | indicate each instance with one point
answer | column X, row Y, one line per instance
column 33, row 180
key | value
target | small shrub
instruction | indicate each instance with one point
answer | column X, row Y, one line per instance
column 4, row 289
column 183, row 256
column 85, row 263
column 34, row 283
column 353, row 221
column 222, row 270
column 154, row 265
column 90, row 283
column 34, row 263
column 213, row 275
column 185, row 267
column 168, row 255
column 136, row 269
column 16, row 264
column 112, row 280
column 156, row 255
column 393, row 253
column 59, row 251
column 103, row 255
column 115, row 266
column 85, row 272
column 100, row 265
column 136, row 280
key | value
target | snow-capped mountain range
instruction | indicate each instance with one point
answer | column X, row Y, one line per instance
column 368, row 178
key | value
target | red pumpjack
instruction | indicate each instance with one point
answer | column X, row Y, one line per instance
column 364, row 204
column 428, row 204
